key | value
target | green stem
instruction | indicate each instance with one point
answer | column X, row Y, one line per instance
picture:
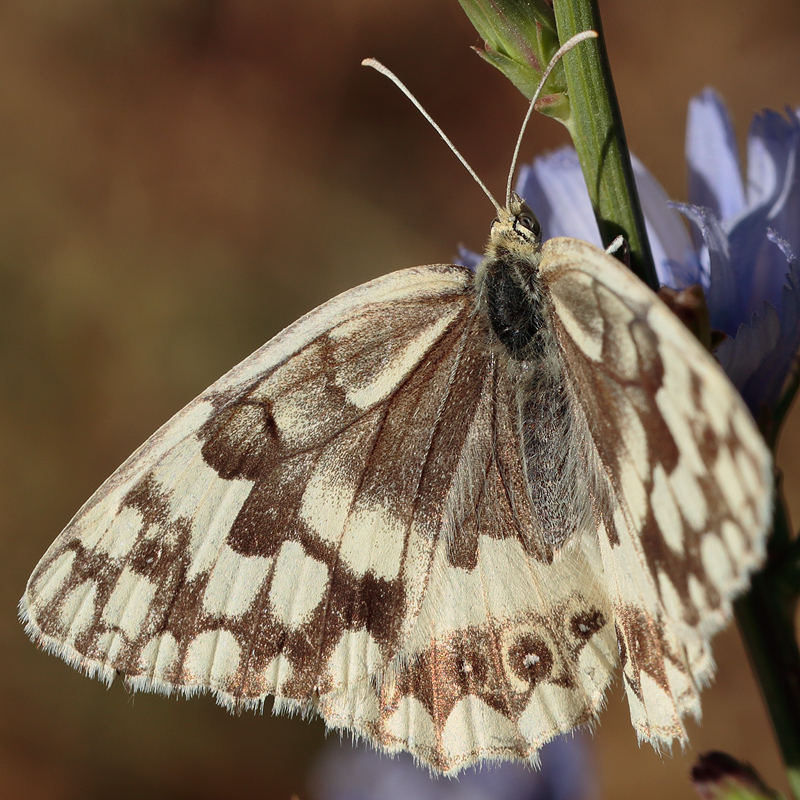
column 766, row 622
column 596, row 129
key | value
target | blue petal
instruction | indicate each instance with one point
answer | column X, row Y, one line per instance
column 554, row 188
column 759, row 358
column 774, row 199
column 715, row 176
column 725, row 301
column 768, row 382
column 772, row 148
column 757, row 266
column 741, row 355
column 676, row 263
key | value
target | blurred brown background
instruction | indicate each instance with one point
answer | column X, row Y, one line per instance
column 179, row 179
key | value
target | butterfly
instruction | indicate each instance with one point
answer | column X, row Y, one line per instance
column 440, row 511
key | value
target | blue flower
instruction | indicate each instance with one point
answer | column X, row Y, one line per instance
column 745, row 237
column 750, row 232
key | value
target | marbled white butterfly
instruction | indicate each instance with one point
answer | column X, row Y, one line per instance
column 438, row 511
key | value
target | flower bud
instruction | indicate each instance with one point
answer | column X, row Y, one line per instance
column 520, row 38
column 718, row 776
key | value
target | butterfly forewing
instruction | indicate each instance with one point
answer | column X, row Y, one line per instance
column 183, row 570
column 683, row 480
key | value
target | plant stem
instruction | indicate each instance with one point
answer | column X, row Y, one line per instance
column 766, row 622
column 599, row 138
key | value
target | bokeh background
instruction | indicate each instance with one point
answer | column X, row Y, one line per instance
column 179, row 179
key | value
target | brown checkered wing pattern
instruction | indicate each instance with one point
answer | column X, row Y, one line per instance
column 682, row 478
column 275, row 535
column 394, row 516
column 342, row 521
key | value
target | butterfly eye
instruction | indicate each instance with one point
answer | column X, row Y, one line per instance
column 530, row 223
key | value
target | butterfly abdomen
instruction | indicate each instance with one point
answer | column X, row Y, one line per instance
column 555, row 477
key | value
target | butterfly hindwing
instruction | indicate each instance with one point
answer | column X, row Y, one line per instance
column 508, row 649
column 684, row 479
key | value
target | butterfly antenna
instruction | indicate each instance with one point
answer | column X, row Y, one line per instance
column 565, row 48
column 371, row 62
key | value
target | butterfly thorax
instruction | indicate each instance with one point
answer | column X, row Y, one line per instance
column 516, row 301
column 508, row 280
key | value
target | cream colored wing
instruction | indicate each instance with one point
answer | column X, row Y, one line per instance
column 283, row 519
column 683, row 479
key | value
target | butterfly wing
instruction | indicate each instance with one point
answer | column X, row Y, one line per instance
column 684, row 484
column 282, row 520
column 508, row 649
column 343, row 521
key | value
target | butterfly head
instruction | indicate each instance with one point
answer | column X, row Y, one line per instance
column 515, row 231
